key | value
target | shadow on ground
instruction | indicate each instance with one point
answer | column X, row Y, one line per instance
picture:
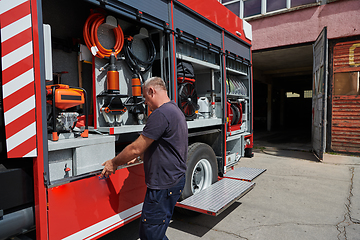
column 279, row 143
column 192, row 226
column 180, row 221
column 290, row 139
column 302, row 155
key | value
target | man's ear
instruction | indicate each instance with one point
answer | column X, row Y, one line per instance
column 151, row 91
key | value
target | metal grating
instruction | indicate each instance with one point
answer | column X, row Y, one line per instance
column 217, row 197
column 244, row 173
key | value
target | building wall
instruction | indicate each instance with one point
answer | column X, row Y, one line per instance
column 302, row 26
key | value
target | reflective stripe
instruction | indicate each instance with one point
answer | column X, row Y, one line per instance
column 15, row 28
column 107, row 224
column 18, row 82
column 9, row 4
column 21, row 136
column 19, row 110
column 17, row 55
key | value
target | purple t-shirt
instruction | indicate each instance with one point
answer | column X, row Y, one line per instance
column 165, row 158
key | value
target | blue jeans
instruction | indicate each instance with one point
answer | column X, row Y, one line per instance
column 157, row 211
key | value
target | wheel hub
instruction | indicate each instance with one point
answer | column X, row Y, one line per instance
column 198, row 176
column 201, row 176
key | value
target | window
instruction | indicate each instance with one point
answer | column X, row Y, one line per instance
column 234, row 7
column 248, row 8
column 295, row 3
column 273, row 5
column 292, row 95
column 252, row 7
column 308, row 94
column 346, row 83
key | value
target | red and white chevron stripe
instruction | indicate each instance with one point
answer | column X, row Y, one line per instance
column 18, row 78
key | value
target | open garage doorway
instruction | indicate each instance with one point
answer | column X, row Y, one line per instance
column 283, row 97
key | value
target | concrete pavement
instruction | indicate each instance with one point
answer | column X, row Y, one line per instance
column 296, row 198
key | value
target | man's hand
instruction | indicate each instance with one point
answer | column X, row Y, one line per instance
column 126, row 156
column 109, row 168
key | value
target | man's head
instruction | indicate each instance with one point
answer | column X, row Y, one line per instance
column 155, row 82
column 155, row 93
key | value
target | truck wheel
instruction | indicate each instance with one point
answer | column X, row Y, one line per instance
column 201, row 170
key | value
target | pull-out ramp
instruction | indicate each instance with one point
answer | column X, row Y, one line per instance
column 220, row 195
column 244, row 173
column 217, row 197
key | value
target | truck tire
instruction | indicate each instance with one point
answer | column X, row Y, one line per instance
column 201, row 170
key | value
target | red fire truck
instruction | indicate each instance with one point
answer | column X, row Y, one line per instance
column 71, row 99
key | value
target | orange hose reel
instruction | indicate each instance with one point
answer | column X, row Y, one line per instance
column 91, row 38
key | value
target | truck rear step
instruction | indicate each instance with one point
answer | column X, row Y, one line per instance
column 217, row 197
column 244, row 173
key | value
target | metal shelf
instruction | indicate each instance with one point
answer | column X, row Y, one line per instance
column 79, row 142
column 197, row 123
column 237, row 96
column 236, row 72
column 119, row 129
column 197, row 63
column 236, row 135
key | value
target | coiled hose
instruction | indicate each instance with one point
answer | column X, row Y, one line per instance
column 135, row 64
column 91, row 38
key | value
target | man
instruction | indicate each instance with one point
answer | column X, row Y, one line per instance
column 163, row 147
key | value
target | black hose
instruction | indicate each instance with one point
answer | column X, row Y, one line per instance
column 135, row 64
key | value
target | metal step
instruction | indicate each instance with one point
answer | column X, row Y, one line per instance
column 217, row 197
column 244, row 173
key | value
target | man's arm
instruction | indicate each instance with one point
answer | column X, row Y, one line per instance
column 131, row 151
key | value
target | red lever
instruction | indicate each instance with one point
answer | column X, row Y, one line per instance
column 66, row 169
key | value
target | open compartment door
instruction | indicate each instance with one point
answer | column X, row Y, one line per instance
column 319, row 94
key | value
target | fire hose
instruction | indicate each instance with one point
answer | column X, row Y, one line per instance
column 91, row 38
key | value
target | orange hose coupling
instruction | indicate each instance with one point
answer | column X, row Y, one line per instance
column 85, row 133
column 55, row 136
column 136, row 85
column 113, row 81
column 112, row 76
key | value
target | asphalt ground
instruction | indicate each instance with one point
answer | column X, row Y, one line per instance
column 296, row 198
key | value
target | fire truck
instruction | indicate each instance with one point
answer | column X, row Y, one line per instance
column 71, row 76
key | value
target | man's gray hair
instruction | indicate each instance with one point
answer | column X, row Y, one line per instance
column 155, row 81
